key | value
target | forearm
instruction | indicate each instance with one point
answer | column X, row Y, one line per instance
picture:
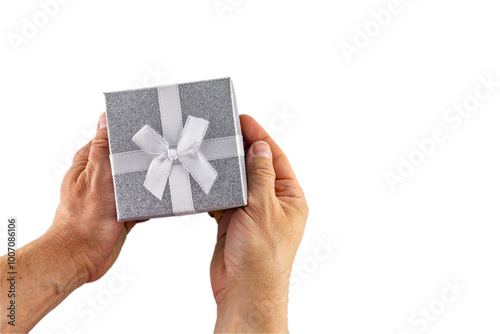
column 46, row 274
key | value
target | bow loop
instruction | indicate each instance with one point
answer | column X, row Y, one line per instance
column 150, row 141
column 186, row 152
column 192, row 135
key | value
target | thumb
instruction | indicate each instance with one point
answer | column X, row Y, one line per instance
column 99, row 149
column 260, row 172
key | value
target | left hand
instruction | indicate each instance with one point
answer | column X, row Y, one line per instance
column 85, row 223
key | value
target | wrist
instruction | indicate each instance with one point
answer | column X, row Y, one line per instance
column 255, row 311
column 70, row 255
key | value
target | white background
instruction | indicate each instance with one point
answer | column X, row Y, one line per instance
column 343, row 126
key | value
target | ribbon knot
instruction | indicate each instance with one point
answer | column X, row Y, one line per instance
column 186, row 153
column 172, row 154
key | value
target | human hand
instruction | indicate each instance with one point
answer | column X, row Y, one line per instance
column 85, row 224
column 256, row 244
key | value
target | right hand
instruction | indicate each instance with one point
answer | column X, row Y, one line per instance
column 256, row 244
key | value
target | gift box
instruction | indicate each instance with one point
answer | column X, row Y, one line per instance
column 176, row 150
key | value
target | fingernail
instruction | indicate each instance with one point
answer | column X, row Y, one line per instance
column 262, row 149
column 102, row 121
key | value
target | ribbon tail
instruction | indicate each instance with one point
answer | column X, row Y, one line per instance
column 157, row 176
column 180, row 191
column 201, row 170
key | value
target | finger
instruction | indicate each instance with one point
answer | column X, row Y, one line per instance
column 286, row 185
column 80, row 161
column 224, row 223
column 130, row 224
column 252, row 132
column 216, row 215
column 99, row 149
column 218, row 269
column 82, row 155
column 260, row 173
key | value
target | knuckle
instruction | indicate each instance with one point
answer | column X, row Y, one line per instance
column 100, row 142
column 258, row 203
column 81, row 154
column 265, row 171
column 77, row 157
column 263, row 208
column 83, row 187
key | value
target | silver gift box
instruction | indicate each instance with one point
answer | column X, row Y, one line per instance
column 160, row 109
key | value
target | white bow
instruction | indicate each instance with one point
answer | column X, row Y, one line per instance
column 186, row 152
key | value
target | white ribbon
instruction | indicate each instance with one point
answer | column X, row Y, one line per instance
column 186, row 152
